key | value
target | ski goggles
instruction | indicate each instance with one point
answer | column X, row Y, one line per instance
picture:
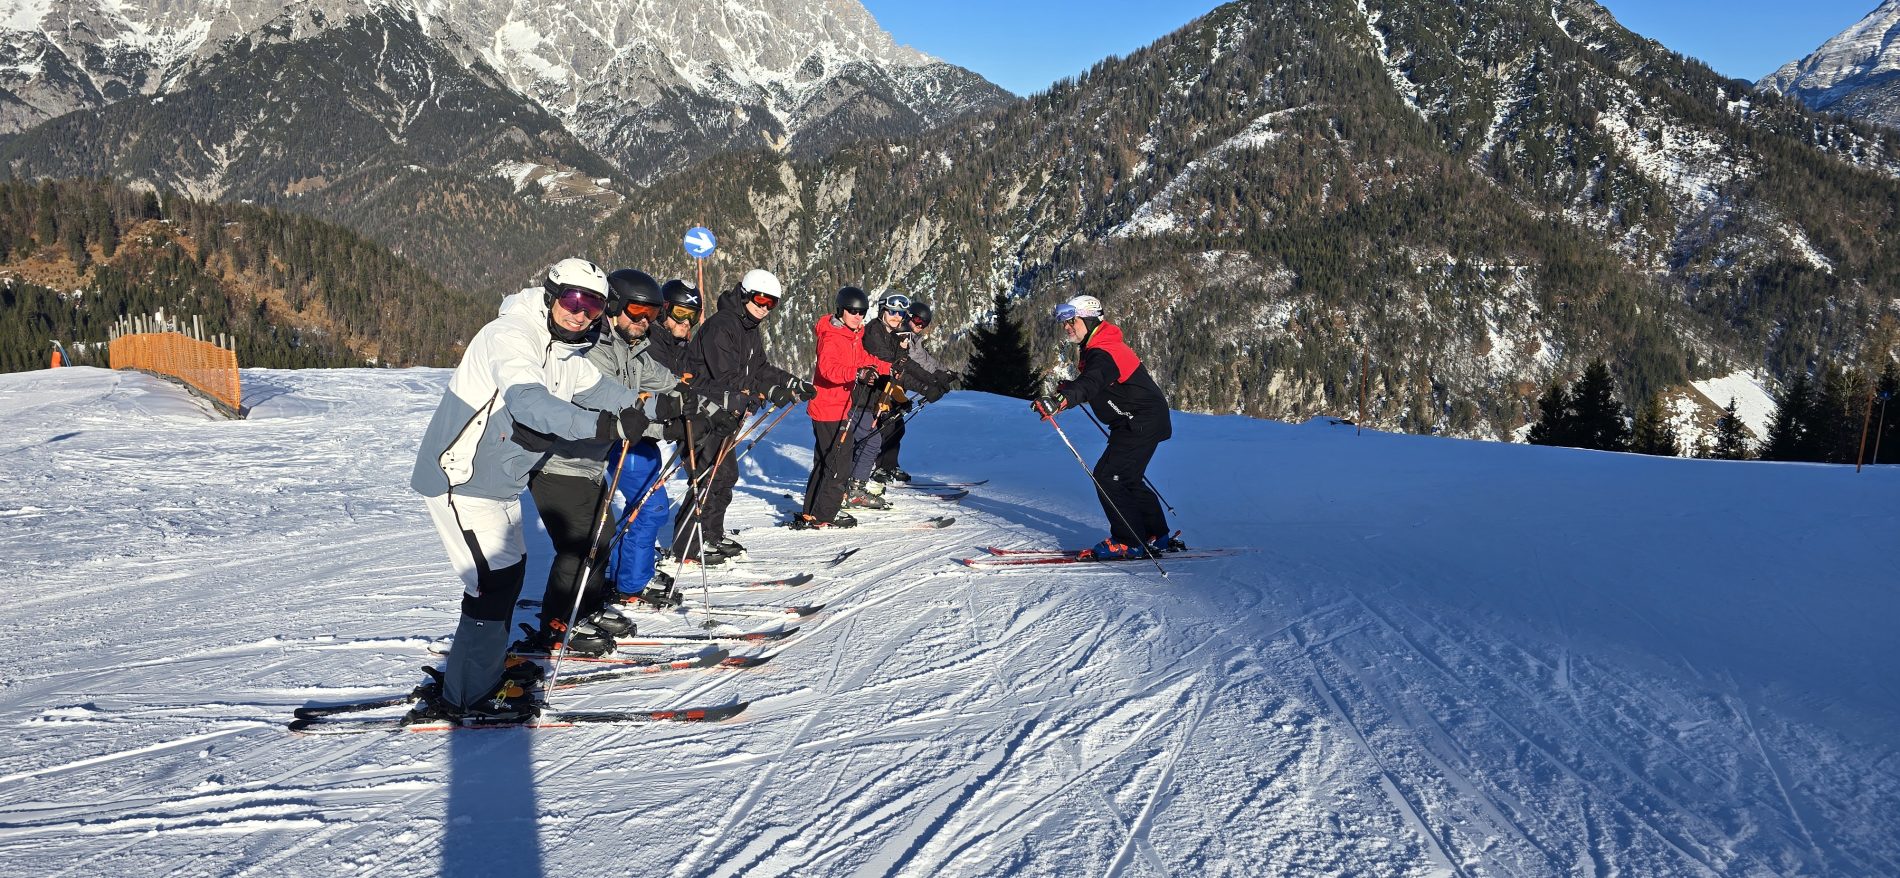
column 764, row 301
column 682, row 313
column 919, row 322
column 580, row 301
column 1066, row 312
column 639, row 311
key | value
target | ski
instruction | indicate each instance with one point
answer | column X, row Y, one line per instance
column 796, row 611
column 821, row 561
column 915, row 484
column 952, row 497
column 634, row 667
column 639, row 640
column 938, row 523
column 552, row 719
column 1033, row 559
column 756, row 585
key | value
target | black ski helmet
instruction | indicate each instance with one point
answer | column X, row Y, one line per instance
column 629, row 285
column 920, row 313
column 682, row 294
column 853, row 299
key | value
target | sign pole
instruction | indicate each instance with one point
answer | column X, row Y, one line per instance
column 700, row 243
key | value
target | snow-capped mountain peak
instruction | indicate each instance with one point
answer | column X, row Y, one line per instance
column 691, row 70
column 1854, row 72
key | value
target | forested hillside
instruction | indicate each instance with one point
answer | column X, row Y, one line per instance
column 1484, row 198
column 292, row 291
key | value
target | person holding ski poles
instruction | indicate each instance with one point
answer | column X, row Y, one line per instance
column 670, row 344
column 570, row 484
column 1117, row 387
column 846, row 376
column 735, row 376
column 921, row 372
column 524, row 378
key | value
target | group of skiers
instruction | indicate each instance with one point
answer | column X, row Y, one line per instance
column 578, row 381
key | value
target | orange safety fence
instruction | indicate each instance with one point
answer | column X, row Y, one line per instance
column 205, row 366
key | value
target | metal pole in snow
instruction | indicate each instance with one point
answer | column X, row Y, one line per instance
column 1865, row 418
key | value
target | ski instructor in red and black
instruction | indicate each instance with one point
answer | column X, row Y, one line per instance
column 1118, row 388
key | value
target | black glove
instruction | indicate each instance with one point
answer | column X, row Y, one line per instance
column 724, row 422
column 867, row 376
column 669, row 407
column 1049, row 404
column 628, row 424
column 804, row 389
column 689, row 423
column 931, row 392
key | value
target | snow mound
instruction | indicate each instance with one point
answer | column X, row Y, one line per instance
column 1434, row 657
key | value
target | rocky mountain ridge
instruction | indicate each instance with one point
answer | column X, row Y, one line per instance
column 1477, row 199
column 1856, row 72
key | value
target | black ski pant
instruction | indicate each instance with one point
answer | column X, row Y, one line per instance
column 569, row 506
column 1122, row 474
column 893, row 431
column 830, row 470
column 717, row 493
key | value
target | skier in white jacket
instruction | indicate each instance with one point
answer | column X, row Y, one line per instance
column 524, row 381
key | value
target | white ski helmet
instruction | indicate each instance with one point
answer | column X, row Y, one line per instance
column 1080, row 306
column 761, row 282
column 575, row 274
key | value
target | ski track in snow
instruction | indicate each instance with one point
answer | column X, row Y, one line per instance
column 1435, row 658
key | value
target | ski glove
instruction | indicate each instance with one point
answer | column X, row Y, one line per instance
column 628, row 424
column 867, row 376
column 724, row 422
column 1049, row 404
column 669, row 407
column 688, row 424
column 805, row 390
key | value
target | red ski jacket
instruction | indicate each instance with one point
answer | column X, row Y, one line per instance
column 840, row 355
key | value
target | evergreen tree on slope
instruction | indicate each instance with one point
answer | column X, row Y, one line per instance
column 1000, row 363
column 1653, row 433
column 1731, row 441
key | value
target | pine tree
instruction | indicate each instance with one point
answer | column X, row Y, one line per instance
column 1731, row 442
column 1556, row 421
column 1653, row 433
column 1792, row 413
column 1600, row 421
column 1000, row 362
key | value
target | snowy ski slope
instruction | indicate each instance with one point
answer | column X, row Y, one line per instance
column 1437, row 658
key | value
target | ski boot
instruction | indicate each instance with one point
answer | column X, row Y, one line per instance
column 584, row 639
column 729, row 548
column 858, row 495
column 611, row 621
column 1162, row 545
column 1110, row 550
column 897, row 474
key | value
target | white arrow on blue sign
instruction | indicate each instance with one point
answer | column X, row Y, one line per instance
column 700, row 242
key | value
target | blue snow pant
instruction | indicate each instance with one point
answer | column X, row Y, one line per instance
column 867, row 443
column 634, row 557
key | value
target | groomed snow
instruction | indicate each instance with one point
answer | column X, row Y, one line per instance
column 1436, row 657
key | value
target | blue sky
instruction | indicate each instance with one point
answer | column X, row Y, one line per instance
column 1025, row 45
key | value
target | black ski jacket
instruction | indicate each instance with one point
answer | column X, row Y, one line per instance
column 731, row 353
column 1117, row 386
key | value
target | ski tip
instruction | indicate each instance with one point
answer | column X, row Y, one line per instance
column 806, row 610
column 745, row 661
column 701, row 714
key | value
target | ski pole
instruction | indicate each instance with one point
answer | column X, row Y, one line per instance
column 587, row 567
column 1144, row 477
column 1051, row 418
